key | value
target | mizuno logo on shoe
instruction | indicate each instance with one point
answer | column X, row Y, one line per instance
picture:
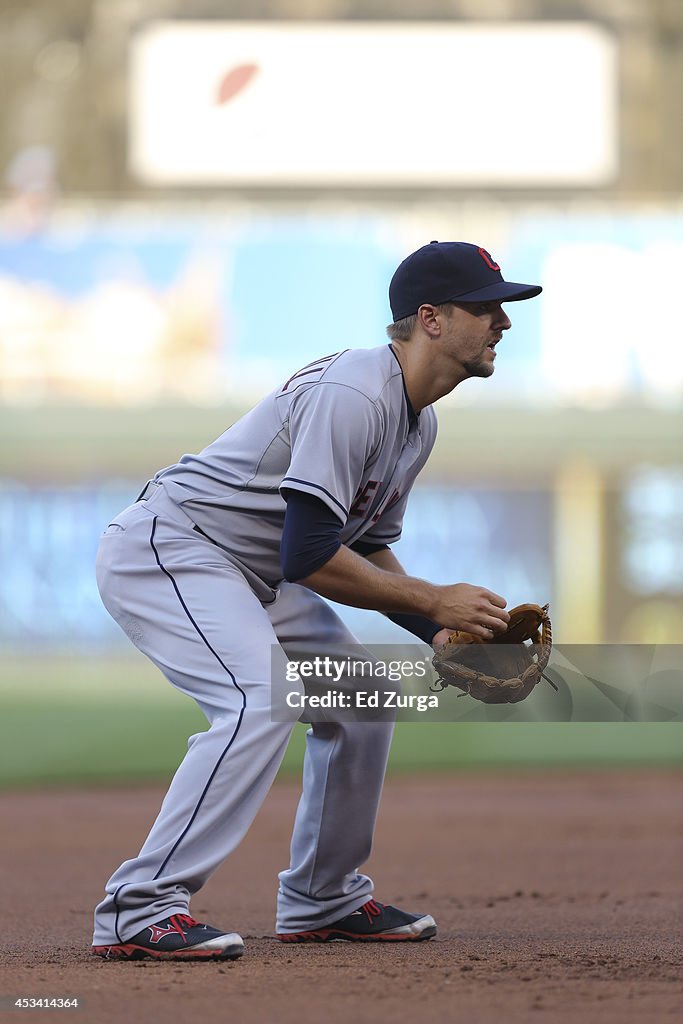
column 157, row 934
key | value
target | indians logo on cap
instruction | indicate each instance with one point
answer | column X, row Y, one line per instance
column 488, row 259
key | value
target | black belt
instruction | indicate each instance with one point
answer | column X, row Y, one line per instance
column 149, row 488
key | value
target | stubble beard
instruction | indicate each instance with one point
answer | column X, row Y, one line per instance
column 479, row 367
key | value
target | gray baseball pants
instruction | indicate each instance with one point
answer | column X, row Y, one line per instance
column 186, row 606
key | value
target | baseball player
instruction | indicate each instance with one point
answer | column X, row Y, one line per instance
column 233, row 550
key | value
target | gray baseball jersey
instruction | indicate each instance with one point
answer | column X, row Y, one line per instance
column 210, row 614
column 338, row 429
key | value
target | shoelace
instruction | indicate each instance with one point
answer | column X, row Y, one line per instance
column 372, row 909
column 182, row 923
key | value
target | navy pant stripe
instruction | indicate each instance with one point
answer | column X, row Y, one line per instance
column 234, row 682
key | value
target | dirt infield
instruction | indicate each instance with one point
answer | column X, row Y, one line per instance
column 558, row 899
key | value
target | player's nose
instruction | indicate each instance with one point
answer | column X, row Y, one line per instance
column 503, row 321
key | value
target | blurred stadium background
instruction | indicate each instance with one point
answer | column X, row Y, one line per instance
column 199, row 196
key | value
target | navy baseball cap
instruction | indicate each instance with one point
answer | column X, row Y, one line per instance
column 451, row 272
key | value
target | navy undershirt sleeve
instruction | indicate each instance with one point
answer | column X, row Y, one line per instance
column 310, row 537
column 419, row 625
column 367, row 547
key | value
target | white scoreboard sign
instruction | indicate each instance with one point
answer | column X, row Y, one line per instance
column 380, row 104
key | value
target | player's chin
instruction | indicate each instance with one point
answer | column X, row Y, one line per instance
column 480, row 369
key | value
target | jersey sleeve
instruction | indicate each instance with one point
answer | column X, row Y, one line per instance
column 334, row 433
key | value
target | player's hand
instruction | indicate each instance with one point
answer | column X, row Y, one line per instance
column 475, row 609
column 440, row 638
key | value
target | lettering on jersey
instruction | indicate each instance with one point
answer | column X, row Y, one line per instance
column 395, row 495
column 360, row 502
column 488, row 259
column 317, row 366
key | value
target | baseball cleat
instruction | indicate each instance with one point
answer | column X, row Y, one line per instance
column 178, row 937
column 373, row 922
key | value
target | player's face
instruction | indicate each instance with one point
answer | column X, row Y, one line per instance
column 471, row 332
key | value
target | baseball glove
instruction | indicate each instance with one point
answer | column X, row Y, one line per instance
column 505, row 669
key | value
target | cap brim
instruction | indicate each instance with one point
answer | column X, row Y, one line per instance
column 504, row 291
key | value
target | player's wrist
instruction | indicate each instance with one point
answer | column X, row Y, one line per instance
column 427, row 599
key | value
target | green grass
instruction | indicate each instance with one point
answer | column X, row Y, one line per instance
column 100, row 721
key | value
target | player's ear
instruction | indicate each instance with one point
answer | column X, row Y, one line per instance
column 427, row 316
